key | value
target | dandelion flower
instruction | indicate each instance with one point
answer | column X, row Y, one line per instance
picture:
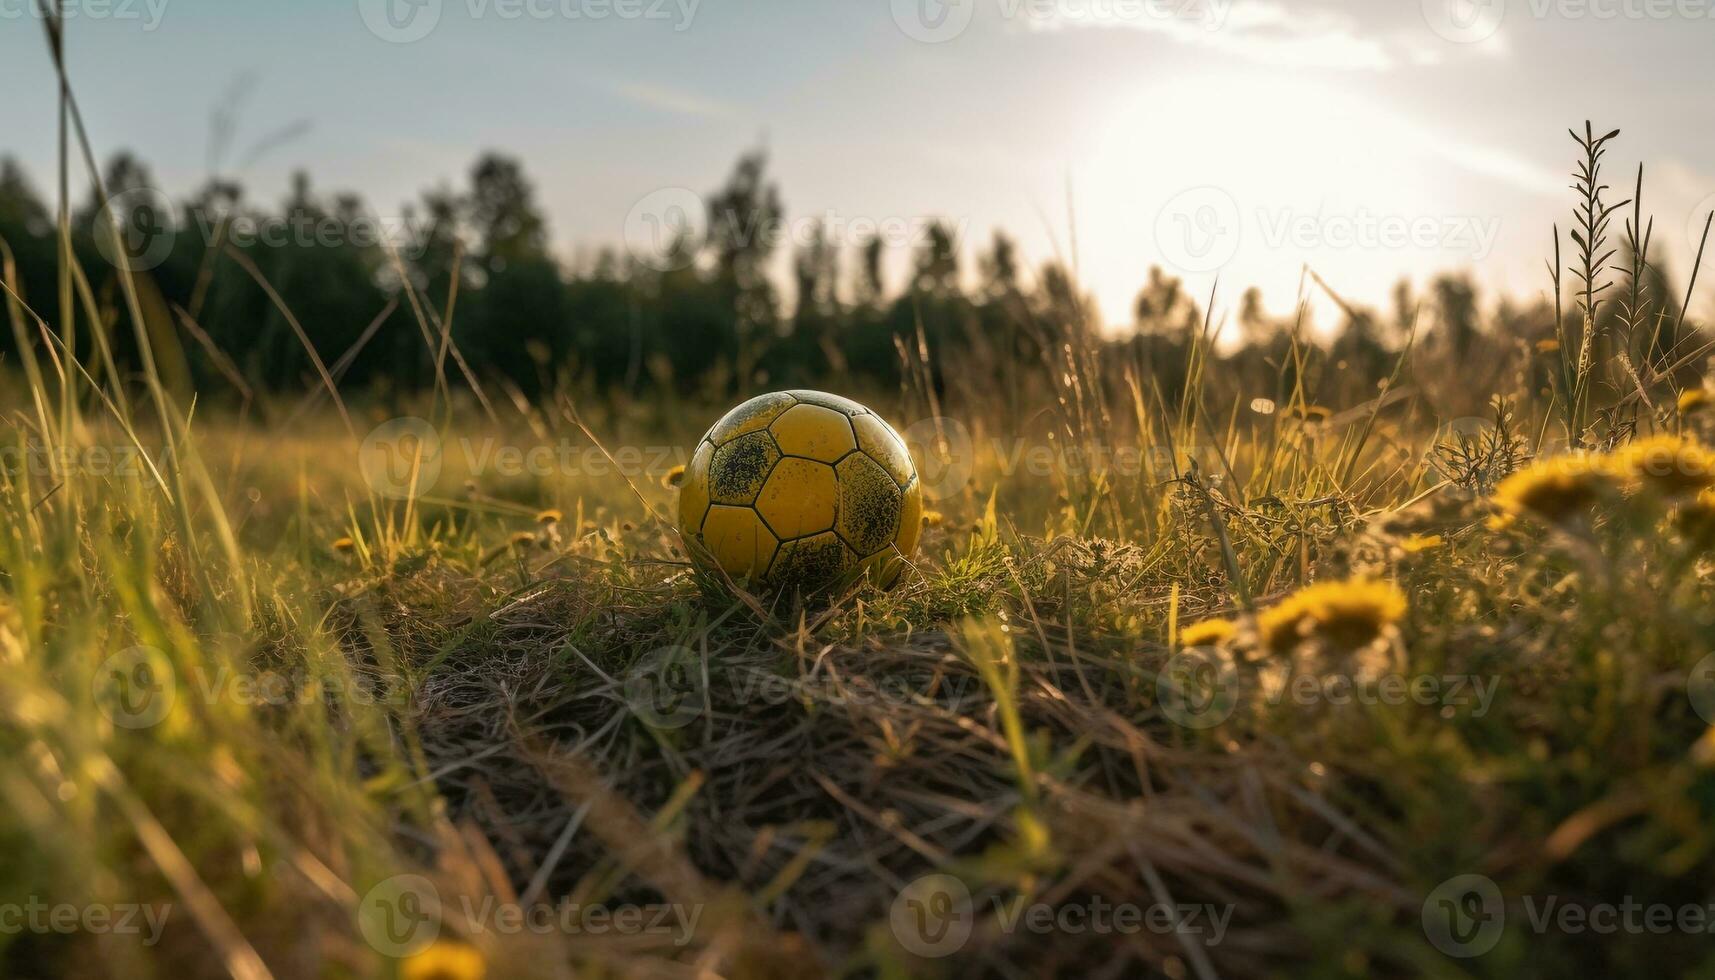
column 550, row 516
column 673, row 477
column 1206, row 633
column 522, row 538
column 1347, row 615
column 1548, row 346
column 1422, row 542
column 344, row 545
column 1557, row 488
column 1668, row 465
column 1693, row 400
column 444, row 960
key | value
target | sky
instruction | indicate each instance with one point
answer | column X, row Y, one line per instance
column 1229, row 141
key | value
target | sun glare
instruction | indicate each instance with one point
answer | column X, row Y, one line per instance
column 1250, row 177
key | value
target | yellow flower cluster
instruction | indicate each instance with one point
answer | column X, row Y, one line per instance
column 1556, row 488
column 1347, row 615
column 444, row 960
column 1561, row 487
column 1422, row 542
column 1207, row 633
column 1671, row 466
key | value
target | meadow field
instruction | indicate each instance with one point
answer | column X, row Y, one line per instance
column 1380, row 651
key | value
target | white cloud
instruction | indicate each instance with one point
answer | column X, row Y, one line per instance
column 1485, row 161
column 1260, row 31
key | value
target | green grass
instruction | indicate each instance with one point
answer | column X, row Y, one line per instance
column 449, row 703
column 519, row 712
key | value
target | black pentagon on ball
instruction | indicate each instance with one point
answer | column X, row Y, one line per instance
column 812, row 563
column 870, row 504
column 740, row 467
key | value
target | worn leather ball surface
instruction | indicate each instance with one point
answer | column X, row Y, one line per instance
column 795, row 490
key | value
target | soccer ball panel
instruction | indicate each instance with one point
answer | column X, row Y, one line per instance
column 737, row 540
column 739, row 468
column 813, row 431
column 869, row 504
column 694, row 488
column 878, row 440
column 845, row 406
column 810, row 564
column 750, row 416
column 799, row 498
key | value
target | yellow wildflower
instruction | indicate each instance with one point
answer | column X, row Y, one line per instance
column 550, row 516
column 522, row 538
column 1556, row 488
column 1422, row 542
column 344, row 545
column 1348, row 615
column 444, row 960
column 1669, row 465
column 1206, row 633
column 673, row 477
column 1548, row 346
column 1693, row 399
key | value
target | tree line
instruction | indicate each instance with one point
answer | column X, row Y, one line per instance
column 234, row 289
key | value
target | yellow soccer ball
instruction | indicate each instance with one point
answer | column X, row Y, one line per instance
column 794, row 490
